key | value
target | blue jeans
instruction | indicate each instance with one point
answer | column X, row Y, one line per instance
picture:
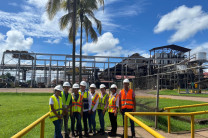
column 77, row 116
column 131, row 122
column 93, row 122
column 65, row 122
column 57, row 124
column 101, row 119
column 86, row 116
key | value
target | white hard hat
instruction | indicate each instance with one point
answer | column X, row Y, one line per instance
column 58, row 88
column 92, row 86
column 126, row 81
column 113, row 86
column 102, row 86
column 75, row 86
column 83, row 83
column 66, row 84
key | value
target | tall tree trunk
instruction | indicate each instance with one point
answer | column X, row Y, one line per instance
column 80, row 63
column 74, row 42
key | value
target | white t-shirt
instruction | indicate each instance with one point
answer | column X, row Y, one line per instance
column 96, row 104
column 52, row 102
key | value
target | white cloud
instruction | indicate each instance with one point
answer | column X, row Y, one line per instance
column 53, row 41
column 1, row 36
column 185, row 21
column 200, row 48
column 15, row 40
column 33, row 20
column 104, row 43
column 108, row 45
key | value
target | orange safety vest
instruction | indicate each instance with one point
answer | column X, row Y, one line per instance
column 77, row 105
column 94, row 100
column 112, row 103
column 126, row 99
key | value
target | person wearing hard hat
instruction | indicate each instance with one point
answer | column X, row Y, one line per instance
column 95, row 100
column 127, row 102
column 66, row 98
column 76, row 110
column 102, row 107
column 87, row 102
column 55, row 107
column 113, row 109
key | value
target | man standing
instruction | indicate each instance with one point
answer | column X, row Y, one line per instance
column 87, row 102
column 76, row 110
column 127, row 103
column 66, row 98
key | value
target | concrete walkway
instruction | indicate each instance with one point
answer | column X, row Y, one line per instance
column 141, row 133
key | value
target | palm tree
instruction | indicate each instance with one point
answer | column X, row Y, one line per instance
column 52, row 7
column 85, row 10
column 84, row 17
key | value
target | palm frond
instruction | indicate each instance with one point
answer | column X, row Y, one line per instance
column 70, row 36
column 64, row 20
column 52, row 7
column 89, row 29
column 98, row 22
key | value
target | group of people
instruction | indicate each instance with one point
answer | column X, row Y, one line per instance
column 81, row 103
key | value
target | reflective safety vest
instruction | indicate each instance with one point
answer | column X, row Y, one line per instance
column 77, row 105
column 64, row 98
column 102, row 101
column 94, row 100
column 57, row 106
column 126, row 99
column 66, row 102
column 112, row 103
column 85, row 99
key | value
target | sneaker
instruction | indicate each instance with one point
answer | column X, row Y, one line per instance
column 133, row 135
column 112, row 134
column 73, row 134
column 94, row 133
column 102, row 132
column 86, row 135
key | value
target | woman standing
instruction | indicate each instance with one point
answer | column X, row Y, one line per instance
column 55, row 107
column 113, row 109
column 95, row 100
column 102, row 107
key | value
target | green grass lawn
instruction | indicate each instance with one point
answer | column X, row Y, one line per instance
column 175, row 93
column 176, row 125
column 20, row 110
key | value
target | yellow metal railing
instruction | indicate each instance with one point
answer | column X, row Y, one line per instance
column 150, row 130
column 179, row 107
column 31, row 126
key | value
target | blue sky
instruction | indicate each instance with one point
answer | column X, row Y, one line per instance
column 128, row 27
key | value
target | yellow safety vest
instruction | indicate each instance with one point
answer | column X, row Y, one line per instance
column 77, row 105
column 85, row 99
column 102, row 101
column 66, row 102
column 94, row 100
column 57, row 106
column 112, row 103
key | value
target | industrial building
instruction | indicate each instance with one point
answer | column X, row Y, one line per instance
column 174, row 64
